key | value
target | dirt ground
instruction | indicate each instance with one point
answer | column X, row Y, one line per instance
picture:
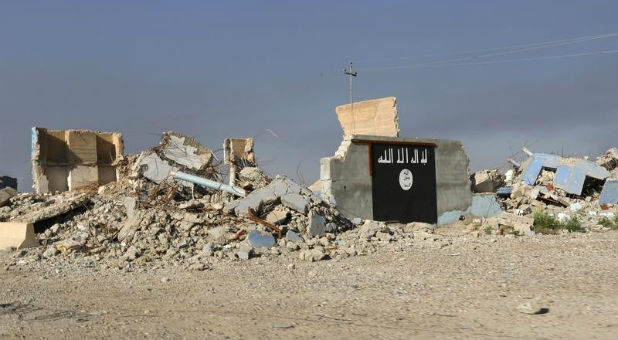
column 466, row 289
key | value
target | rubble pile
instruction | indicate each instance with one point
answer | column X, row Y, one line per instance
column 147, row 217
column 150, row 216
column 576, row 193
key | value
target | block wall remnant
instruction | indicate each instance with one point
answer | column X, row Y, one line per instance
column 70, row 159
column 237, row 154
column 347, row 180
column 376, row 117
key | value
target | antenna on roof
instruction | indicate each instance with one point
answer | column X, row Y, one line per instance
column 351, row 74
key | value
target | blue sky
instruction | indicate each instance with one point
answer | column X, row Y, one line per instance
column 221, row 69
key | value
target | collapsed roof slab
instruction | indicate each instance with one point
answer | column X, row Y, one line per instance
column 71, row 159
column 375, row 117
column 570, row 172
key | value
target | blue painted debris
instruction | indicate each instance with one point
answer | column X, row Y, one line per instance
column 570, row 173
column 259, row 239
column 609, row 194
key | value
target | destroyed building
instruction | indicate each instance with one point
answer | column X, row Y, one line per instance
column 376, row 174
column 71, row 159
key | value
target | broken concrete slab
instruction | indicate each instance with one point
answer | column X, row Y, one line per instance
column 317, row 224
column 570, row 172
column 17, row 235
column 293, row 236
column 151, row 166
column 174, row 153
column 375, row 117
column 185, row 150
column 609, row 194
column 55, row 209
column 260, row 239
column 8, row 182
column 486, row 181
column 71, row 159
column 296, row 202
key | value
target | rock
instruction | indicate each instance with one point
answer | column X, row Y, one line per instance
column 244, row 252
column 68, row 244
column 313, row 255
column 50, row 252
column 191, row 205
column 385, row 237
column 534, row 306
column 276, row 216
column 132, row 254
column 296, row 202
column 293, row 236
column 130, row 227
column 197, row 266
column 130, row 203
column 219, row 234
column 165, row 279
column 208, row 249
column 487, row 181
column 259, row 239
column 609, row 160
column 317, row 225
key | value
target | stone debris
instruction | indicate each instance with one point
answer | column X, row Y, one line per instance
column 175, row 152
column 146, row 218
column 487, row 180
column 567, row 189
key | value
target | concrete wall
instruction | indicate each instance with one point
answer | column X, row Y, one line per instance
column 346, row 180
column 71, row 159
column 376, row 117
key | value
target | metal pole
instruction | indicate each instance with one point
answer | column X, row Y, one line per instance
column 234, row 190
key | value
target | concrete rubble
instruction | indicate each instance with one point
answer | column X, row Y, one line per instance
column 146, row 217
column 566, row 190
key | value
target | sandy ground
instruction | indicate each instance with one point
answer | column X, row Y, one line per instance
column 469, row 289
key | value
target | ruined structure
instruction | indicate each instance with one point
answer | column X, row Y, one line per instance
column 238, row 154
column 378, row 175
column 70, row 159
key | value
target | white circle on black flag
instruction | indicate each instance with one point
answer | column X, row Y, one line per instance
column 406, row 179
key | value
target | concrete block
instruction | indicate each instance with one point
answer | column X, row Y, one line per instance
column 317, row 225
column 186, row 151
column 293, row 236
column 82, row 176
column 154, row 168
column 17, row 235
column 259, row 239
column 376, row 117
column 296, row 202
